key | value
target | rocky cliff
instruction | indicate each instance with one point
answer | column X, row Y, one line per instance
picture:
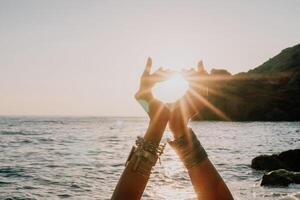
column 270, row 92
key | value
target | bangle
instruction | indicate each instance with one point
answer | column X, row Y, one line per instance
column 149, row 146
column 144, row 155
column 189, row 149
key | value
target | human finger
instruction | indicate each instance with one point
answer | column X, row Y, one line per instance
column 161, row 75
column 148, row 66
column 200, row 66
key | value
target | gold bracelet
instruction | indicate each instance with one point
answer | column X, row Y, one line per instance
column 144, row 155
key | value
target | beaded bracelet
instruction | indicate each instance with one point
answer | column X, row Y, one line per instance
column 149, row 146
column 144, row 155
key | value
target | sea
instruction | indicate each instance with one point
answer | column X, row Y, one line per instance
column 83, row 157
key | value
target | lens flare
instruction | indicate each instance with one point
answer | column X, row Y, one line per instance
column 172, row 89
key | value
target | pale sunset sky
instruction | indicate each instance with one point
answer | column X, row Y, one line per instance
column 61, row 57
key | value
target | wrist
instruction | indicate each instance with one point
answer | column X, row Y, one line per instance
column 157, row 124
column 144, row 93
column 180, row 132
column 144, row 155
column 178, row 128
column 189, row 149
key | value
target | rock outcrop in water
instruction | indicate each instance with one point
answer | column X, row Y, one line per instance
column 269, row 92
column 280, row 177
column 289, row 160
column 286, row 166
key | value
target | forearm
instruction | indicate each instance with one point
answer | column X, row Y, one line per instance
column 156, row 129
column 132, row 184
column 207, row 182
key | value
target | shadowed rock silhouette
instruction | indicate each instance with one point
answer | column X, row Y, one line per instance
column 269, row 92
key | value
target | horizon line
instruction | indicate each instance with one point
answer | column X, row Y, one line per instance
column 67, row 115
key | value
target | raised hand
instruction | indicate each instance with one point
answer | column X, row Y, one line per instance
column 148, row 80
column 136, row 174
column 192, row 102
column 144, row 95
column 207, row 182
column 196, row 78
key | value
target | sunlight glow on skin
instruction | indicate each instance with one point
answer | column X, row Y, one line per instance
column 172, row 89
column 210, row 106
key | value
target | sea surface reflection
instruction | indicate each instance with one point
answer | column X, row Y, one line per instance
column 83, row 157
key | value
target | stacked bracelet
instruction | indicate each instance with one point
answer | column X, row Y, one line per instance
column 149, row 146
column 189, row 149
column 144, row 156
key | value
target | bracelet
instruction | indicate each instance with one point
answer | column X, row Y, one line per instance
column 149, row 146
column 144, row 155
column 189, row 149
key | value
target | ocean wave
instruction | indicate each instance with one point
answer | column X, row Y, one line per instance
column 64, row 195
column 19, row 133
column 28, row 187
column 4, row 183
column 44, row 121
column 19, row 198
column 12, row 172
column 13, row 133
column 45, row 140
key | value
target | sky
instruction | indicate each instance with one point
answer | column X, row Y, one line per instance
column 61, row 57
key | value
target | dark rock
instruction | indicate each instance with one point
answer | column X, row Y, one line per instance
column 266, row 162
column 289, row 160
column 277, row 114
column 223, row 72
column 280, row 177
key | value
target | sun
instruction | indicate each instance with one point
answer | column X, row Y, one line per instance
column 172, row 89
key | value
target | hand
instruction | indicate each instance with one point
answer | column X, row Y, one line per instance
column 191, row 103
column 197, row 79
column 132, row 184
column 144, row 95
